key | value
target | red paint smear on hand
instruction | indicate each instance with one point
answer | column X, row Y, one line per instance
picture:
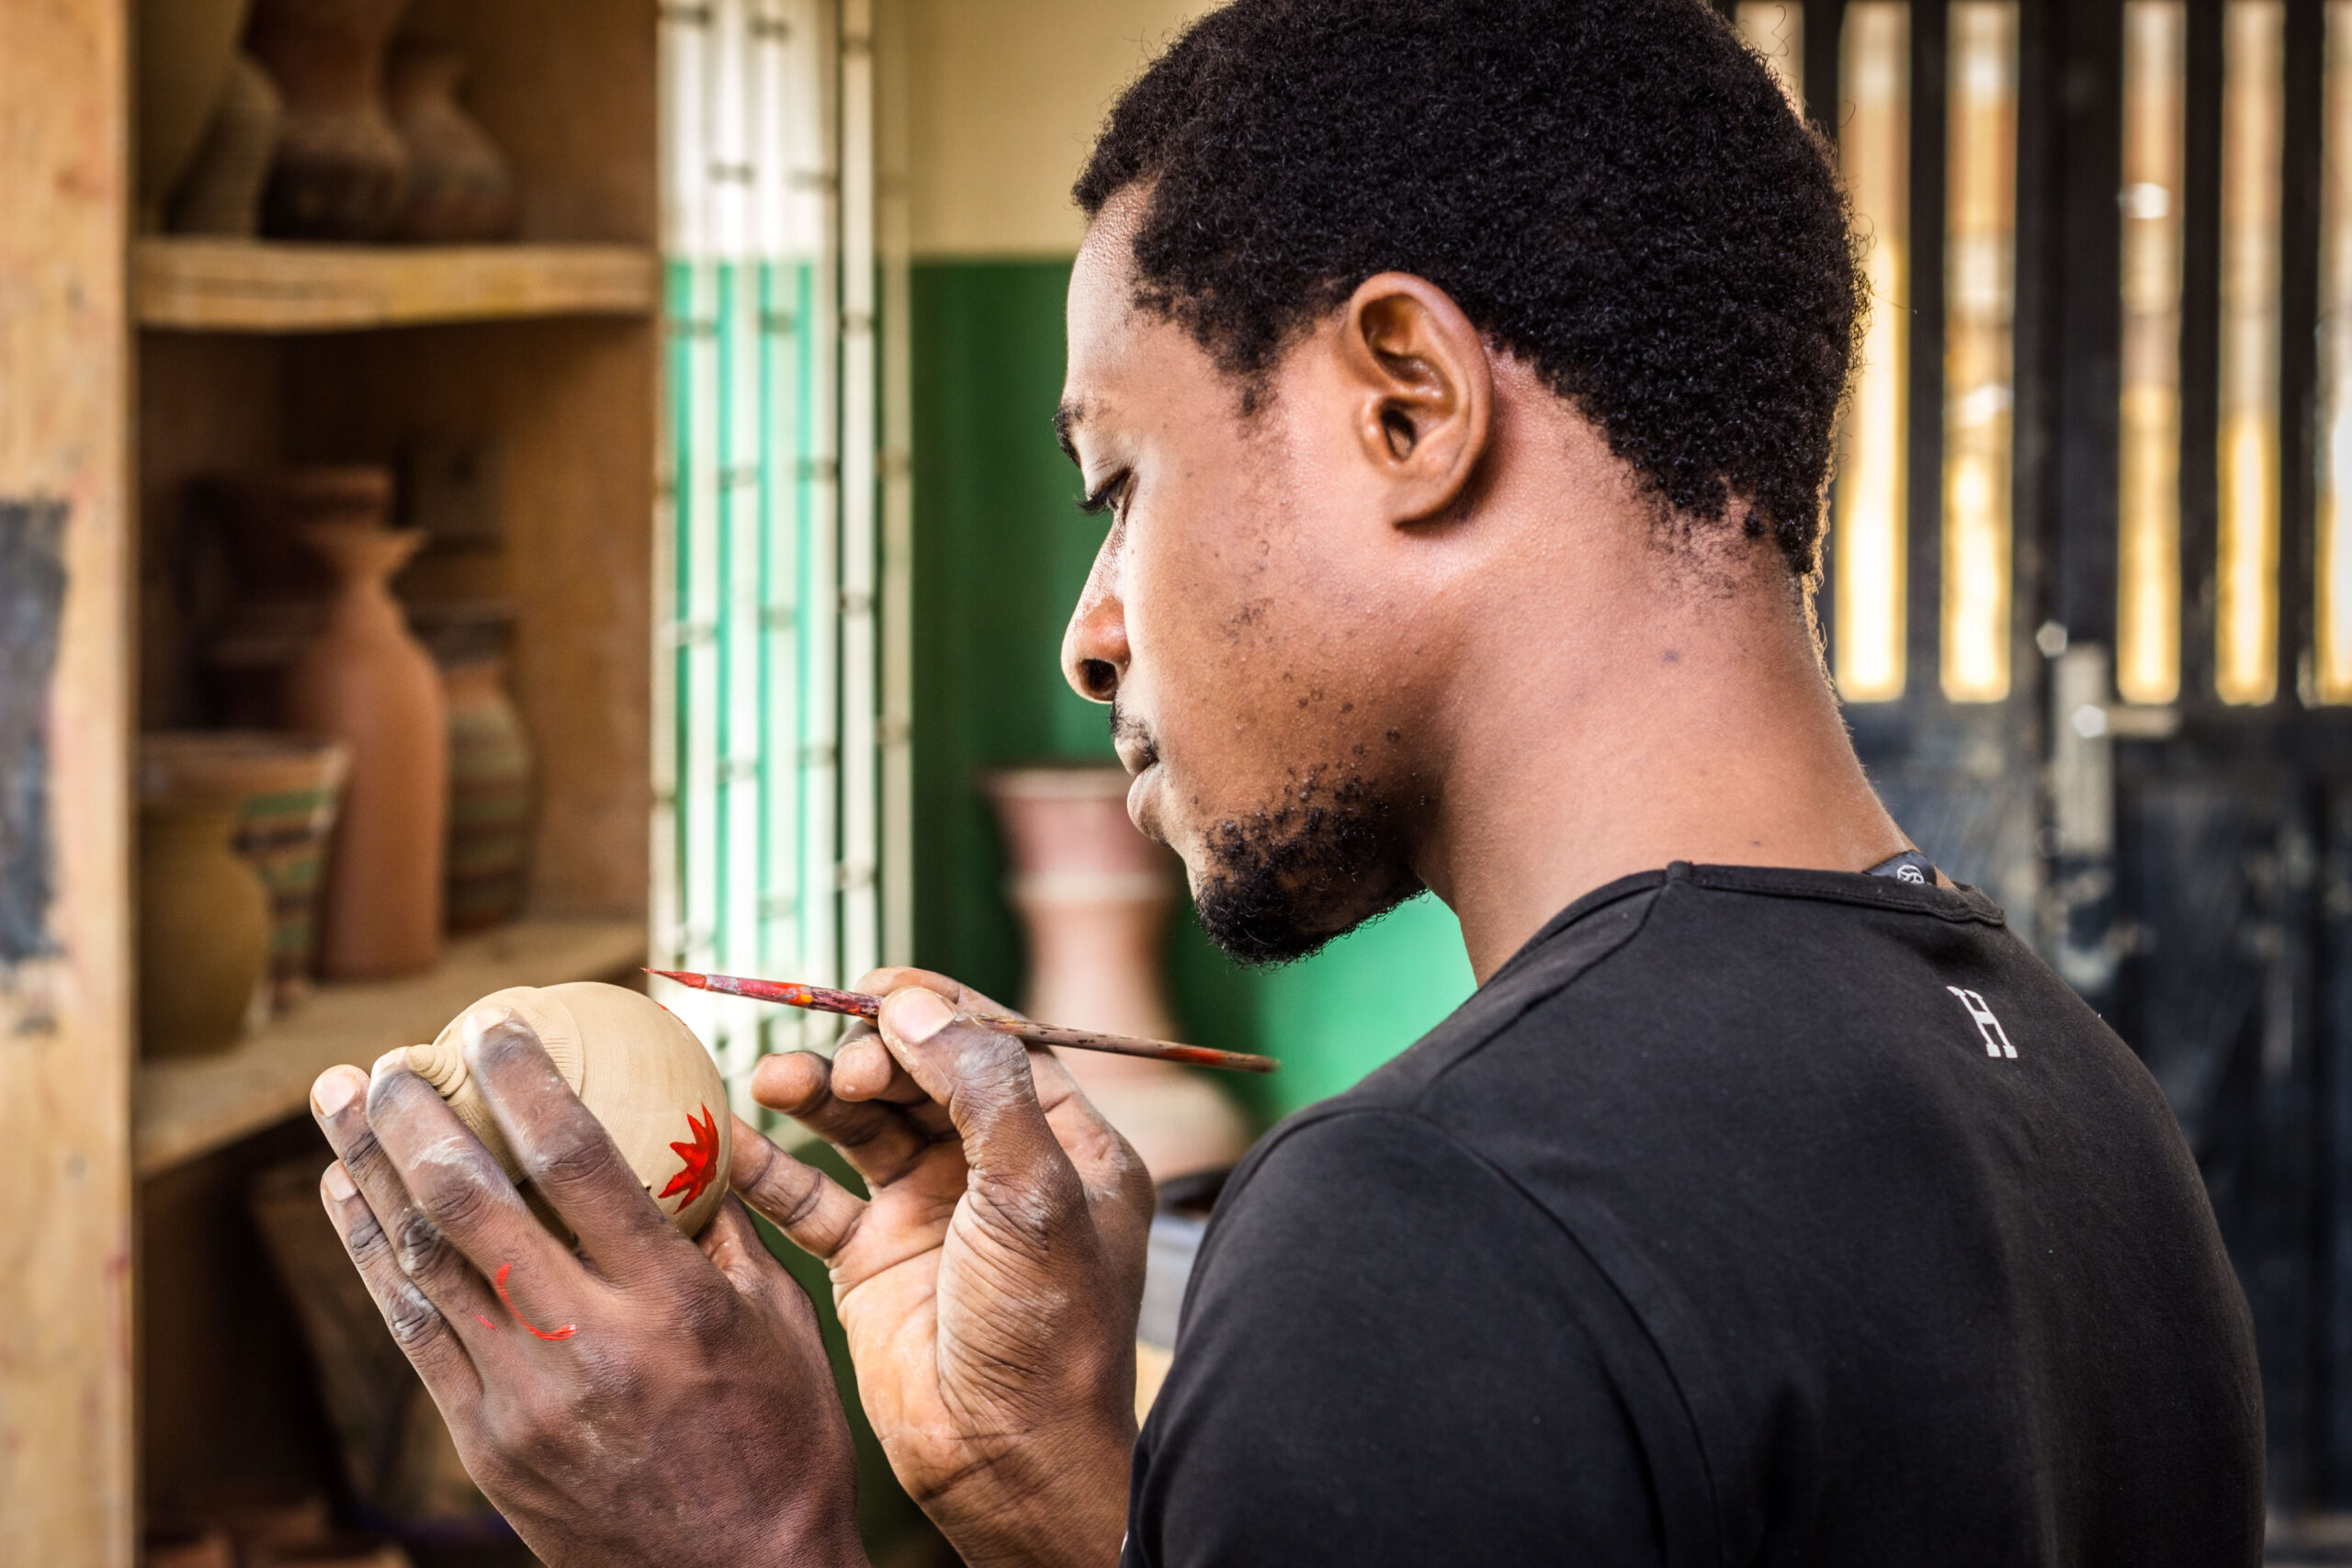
column 566, row 1332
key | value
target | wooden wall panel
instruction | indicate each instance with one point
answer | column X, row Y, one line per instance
column 65, row 1466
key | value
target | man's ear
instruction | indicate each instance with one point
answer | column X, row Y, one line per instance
column 1424, row 390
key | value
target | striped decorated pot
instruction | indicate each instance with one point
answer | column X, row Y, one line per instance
column 490, row 797
column 287, row 789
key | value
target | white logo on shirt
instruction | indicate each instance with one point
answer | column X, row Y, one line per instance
column 1996, row 1039
column 1911, row 874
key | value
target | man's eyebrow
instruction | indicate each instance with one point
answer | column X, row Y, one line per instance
column 1065, row 417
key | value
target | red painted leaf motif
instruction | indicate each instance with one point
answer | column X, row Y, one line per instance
column 702, row 1160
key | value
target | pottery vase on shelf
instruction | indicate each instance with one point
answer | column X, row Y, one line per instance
column 363, row 681
column 185, row 48
column 203, row 927
column 341, row 172
column 286, row 789
column 272, row 589
column 637, row 1068
column 1094, row 897
column 459, row 188
column 222, row 192
column 490, row 797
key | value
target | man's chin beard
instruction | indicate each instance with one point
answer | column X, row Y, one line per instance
column 1282, row 883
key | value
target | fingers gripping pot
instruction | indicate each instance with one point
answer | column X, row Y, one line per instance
column 639, row 1071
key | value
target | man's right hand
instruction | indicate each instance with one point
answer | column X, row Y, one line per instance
column 989, row 1285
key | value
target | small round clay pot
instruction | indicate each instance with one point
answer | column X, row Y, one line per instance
column 287, row 789
column 459, row 188
column 341, row 1550
column 182, row 1543
column 257, row 1513
column 638, row 1070
column 203, row 927
column 342, row 170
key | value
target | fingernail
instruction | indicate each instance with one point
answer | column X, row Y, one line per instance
column 914, row 1015
column 396, row 1058
column 481, row 1020
column 333, row 1092
column 339, row 1186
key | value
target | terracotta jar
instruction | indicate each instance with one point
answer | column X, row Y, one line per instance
column 203, row 927
column 185, row 48
column 459, row 188
column 342, row 170
column 221, row 193
column 1094, row 896
column 363, row 681
column 490, row 797
column 638, row 1070
column 288, row 789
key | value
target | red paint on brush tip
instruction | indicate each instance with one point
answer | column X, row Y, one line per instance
column 566, row 1332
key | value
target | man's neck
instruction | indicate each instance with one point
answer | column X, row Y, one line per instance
column 1691, row 724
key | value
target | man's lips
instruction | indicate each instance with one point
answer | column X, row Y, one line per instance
column 1139, row 794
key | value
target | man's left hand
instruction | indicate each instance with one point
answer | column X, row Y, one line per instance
column 647, row 1399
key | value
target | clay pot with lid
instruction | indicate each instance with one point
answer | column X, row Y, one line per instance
column 638, row 1070
column 363, row 681
column 341, row 171
column 1094, row 896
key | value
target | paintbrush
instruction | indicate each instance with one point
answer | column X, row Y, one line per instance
column 856, row 1004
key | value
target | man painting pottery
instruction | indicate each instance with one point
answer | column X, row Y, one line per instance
column 1456, row 378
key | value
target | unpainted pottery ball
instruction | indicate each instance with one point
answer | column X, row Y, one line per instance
column 638, row 1070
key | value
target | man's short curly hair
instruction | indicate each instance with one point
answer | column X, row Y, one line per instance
column 1613, row 190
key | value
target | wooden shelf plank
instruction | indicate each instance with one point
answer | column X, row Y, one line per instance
column 245, row 286
column 186, row 1108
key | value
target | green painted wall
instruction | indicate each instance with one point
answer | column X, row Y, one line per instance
column 1000, row 554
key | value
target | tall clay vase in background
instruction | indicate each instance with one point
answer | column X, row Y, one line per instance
column 203, row 927
column 459, row 188
column 341, row 171
column 1094, row 895
column 363, row 681
column 221, row 193
column 184, row 50
column 490, row 797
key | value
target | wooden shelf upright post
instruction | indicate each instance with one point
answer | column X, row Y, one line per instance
column 65, row 1047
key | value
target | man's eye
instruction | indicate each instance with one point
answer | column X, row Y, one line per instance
column 1106, row 496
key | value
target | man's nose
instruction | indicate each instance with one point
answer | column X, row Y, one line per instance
column 1094, row 648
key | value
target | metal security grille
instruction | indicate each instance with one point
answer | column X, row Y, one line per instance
column 781, row 771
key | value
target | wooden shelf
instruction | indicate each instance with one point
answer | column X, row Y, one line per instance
column 245, row 286
column 183, row 1109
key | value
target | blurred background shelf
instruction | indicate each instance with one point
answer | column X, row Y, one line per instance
column 181, row 1110
column 245, row 286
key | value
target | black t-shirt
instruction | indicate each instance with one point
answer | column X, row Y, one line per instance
column 1744, row 1217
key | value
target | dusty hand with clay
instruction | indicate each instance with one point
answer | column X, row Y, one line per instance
column 645, row 1399
column 989, row 1286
